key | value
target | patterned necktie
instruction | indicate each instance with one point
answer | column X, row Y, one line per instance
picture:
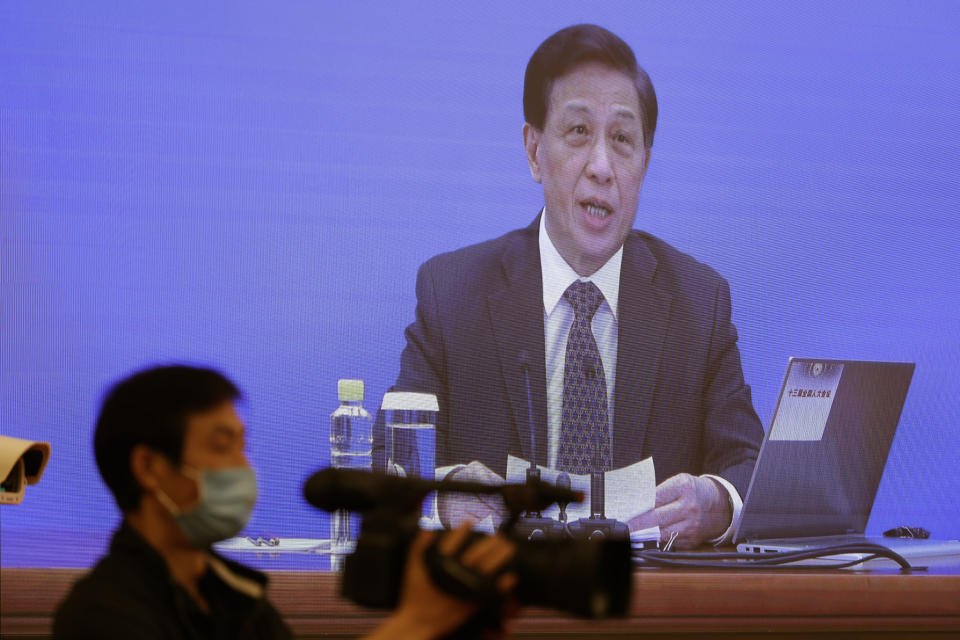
column 585, row 432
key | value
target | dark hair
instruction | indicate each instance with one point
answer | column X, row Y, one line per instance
column 572, row 46
column 151, row 407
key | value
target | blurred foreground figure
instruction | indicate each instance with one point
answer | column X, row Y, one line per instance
column 170, row 447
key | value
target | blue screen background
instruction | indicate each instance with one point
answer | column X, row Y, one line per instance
column 254, row 187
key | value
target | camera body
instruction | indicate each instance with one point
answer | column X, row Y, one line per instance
column 373, row 573
column 587, row 578
column 22, row 462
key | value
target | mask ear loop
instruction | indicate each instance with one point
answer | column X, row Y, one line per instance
column 168, row 503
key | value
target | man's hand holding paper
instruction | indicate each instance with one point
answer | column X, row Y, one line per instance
column 456, row 508
column 696, row 508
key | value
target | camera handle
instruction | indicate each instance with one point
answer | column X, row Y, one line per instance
column 448, row 573
column 451, row 576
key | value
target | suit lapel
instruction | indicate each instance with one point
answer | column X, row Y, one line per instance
column 516, row 313
column 644, row 314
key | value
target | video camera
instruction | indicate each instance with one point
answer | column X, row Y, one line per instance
column 587, row 578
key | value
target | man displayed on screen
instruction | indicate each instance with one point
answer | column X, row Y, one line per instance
column 625, row 343
column 169, row 445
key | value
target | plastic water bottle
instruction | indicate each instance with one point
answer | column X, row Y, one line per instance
column 351, row 447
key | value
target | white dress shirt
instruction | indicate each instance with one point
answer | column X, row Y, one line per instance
column 557, row 320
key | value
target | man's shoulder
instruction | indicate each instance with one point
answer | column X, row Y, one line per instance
column 115, row 594
column 127, row 595
column 114, row 574
column 675, row 268
column 483, row 253
column 483, row 264
column 479, row 264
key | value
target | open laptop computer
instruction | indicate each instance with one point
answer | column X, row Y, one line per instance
column 822, row 460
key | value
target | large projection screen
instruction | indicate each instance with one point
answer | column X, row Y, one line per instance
column 253, row 188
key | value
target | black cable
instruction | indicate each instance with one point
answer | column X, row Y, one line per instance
column 768, row 560
column 786, row 564
column 778, row 560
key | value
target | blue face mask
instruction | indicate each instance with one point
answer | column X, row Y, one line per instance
column 226, row 500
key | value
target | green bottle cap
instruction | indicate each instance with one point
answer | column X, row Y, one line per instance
column 350, row 390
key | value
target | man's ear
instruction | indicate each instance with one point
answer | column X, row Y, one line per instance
column 145, row 465
column 531, row 143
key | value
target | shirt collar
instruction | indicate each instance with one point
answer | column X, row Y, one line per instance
column 128, row 542
column 558, row 275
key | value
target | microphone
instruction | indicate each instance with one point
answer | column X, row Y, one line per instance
column 533, row 472
column 597, row 482
column 563, row 482
column 597, row 498
column 525, row 367
column 331, row 489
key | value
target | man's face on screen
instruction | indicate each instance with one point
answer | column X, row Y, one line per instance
column 591, row 160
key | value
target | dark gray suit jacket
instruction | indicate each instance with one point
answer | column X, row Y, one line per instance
column 679, row 391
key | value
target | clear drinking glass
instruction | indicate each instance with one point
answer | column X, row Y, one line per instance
column 410, row 420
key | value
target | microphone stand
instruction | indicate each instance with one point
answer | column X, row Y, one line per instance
column 532, row 525
column 598, row 526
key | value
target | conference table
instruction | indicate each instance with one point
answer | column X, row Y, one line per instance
column 675, row 603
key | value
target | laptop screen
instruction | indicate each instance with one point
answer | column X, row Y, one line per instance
column 824, row 454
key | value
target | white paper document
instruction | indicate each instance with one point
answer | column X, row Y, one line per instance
column 629, row 491
column 641, row 537
column 276, row 545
